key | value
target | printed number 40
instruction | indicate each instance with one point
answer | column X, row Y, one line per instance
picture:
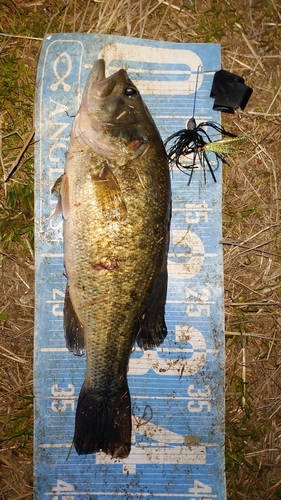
column 63, row 488
column 199, row 488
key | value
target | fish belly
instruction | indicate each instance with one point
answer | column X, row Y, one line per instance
column 115, row 265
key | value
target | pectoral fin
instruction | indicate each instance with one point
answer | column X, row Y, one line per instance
column 109, row 194
column 73, row 330
column 56, row 192
column 64, row 195
column 152, row 329
column 61, row 190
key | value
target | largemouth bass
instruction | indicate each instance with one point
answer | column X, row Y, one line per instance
column 115, row 199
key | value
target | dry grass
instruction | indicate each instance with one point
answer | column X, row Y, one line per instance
column 249, row 32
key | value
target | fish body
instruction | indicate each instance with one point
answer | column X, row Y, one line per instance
column 115, row 199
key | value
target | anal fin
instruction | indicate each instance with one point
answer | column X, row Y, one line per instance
column 151, row 328
column 73, row 330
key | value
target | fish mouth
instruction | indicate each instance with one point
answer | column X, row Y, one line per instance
column 98, row 70
column 104, row 88
column 98, row 123
column 101, row 85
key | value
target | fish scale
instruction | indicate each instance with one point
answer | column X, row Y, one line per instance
column 116, row 208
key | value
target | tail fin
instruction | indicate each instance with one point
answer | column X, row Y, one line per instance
column 103, row 423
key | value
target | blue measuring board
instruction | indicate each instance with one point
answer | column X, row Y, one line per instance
column 177, row 389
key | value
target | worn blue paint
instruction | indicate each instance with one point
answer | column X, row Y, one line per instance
column 177, row 389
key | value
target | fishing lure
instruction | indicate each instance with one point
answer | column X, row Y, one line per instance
column 190, row 147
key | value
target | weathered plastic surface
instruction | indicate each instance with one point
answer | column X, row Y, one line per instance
column 177, row 389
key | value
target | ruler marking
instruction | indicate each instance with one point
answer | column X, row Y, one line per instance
column 135, row 494
column 57, row 75
column 61, row 255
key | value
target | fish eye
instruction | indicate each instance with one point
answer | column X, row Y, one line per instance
column 131, row 92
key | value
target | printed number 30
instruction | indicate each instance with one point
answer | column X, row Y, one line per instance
column 62, row 401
